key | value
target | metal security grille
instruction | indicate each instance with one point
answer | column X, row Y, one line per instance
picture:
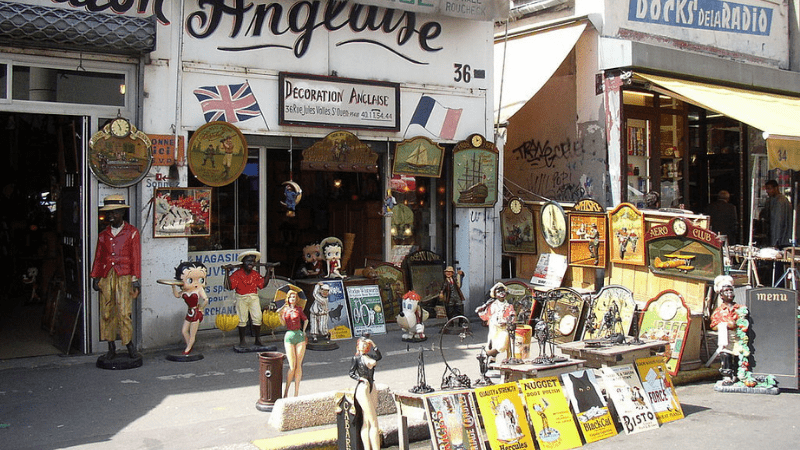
column 38, row 26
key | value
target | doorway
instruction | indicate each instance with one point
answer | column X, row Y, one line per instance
column 40, row 244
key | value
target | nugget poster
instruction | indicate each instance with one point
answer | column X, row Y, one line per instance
column 552, row 421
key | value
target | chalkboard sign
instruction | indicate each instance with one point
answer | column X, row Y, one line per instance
column 773, row 315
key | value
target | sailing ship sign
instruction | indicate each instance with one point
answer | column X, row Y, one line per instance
column 475, row 164
column 418, row 157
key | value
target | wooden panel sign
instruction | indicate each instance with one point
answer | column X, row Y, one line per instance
column 680, row 249
column 773, row 315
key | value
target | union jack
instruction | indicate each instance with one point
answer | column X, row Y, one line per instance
column 228, row 102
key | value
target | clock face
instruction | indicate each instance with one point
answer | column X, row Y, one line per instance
column 515, row 205
column 668, row 309
column 679, row 227
column 477, row 140
column 120, row 127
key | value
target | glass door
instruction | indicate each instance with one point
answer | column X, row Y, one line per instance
column 638, row 141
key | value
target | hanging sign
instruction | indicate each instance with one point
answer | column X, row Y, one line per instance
column 119, row 154
column 217, row 153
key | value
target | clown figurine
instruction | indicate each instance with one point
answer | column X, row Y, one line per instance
column 411, row 318
column 192, row 275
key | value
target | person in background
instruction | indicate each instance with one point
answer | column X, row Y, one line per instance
column 724, row 219
column 778, row 214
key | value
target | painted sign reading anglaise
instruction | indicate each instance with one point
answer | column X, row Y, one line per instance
column 318, row 100
column 717, row 15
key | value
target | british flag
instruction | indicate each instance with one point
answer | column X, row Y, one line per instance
column 228, row 102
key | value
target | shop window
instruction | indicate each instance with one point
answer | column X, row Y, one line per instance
column 68, row 86
column 234, row 211
column 3, row 81
column 418, row 218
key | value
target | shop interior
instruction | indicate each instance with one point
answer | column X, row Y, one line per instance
column 39, row 236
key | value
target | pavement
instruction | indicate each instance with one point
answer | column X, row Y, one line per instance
column 65, row 402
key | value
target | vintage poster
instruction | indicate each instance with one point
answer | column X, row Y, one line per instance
column 658, row 385
column 392, row 284
column 634, row 410
column 504, row 417
column 626, row 228
column 590, row 408
column 182, row 212
column 365, row 303
column 549, row 270
column 453, row 421
column 552, row 421
column 338, row 316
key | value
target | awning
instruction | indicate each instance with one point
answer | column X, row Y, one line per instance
column 775, row 115
column 529, row 62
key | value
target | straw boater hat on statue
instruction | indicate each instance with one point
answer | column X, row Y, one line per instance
column 497, row 287
column 243, row 255
column 114, row 201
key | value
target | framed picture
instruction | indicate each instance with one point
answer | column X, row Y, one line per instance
column 554, row 224
column 587, row 239
column 425, row 275
column 475, row 163
column 392, row 285
column 516, row 221
column 217, row 153
column 419, row 156
column 666, row 318
column 679, row 249
column 368, row 313
column 626, row 225
column 181, row 212
column 121, row 155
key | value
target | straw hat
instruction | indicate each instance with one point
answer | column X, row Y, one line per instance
column 450, row 269
column 249, row 253
column 114, row 201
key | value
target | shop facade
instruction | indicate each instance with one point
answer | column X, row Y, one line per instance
column 290, row 76
column 648, row 96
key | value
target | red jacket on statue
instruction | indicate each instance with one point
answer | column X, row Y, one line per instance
column 122, row 252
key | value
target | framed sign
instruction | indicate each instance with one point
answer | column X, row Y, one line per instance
column 419, row 156
column 666, row 318
column 611, row 312
column 340, row 151
column 119, row 154
column 181, row 212
column 392, row 285
column 587, row 239
column 426, row 274
column 680, row 249
column 475, row 163
column 316, row 100
column 217, row 153
column 365, row 303
column 626, row 224
column 516, row 222
column 554, row 224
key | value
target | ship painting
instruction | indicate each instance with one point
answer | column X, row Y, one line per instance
column 419, row 157
column 471, row 186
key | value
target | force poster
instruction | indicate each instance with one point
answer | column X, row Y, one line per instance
column 552, row 422
column 658, row 385
column 504, row 417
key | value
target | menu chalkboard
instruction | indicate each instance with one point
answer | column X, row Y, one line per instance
column 773, row 315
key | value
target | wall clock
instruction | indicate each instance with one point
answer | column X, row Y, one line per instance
column 554, row 224
column 515, row 205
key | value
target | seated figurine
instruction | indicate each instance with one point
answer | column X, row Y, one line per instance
column 411, row 318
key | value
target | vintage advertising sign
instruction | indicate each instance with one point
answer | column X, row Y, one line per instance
column 590, row 408
column 453, row 421
column 587, row 239
column 666, row 318
column 658, row 385
column 365, row 303
column 550, row 416
column 338, row 102
column 631, row 402
column 217, row 153
column 626, row 224
column 164, row 151
column 773, row 316
column 681, row 249
column 504, row 417
column 338, row 316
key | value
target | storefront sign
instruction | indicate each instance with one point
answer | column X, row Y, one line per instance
column 163, row 146
column 338, row 102
column 713, row 15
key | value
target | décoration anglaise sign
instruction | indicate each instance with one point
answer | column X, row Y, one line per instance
column 463, row 9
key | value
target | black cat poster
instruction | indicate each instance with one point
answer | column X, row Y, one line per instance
column 588, row 404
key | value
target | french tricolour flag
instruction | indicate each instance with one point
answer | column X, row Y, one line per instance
column 437, row 119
